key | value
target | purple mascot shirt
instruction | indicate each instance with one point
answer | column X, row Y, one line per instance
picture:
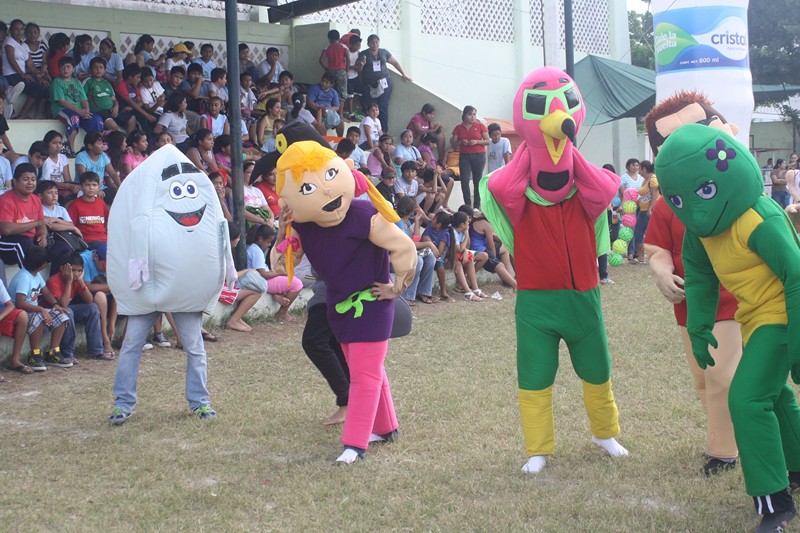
column 346, row 260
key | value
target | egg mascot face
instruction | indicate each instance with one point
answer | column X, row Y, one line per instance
column 167, row 238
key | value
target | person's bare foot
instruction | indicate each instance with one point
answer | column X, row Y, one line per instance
column 284, row 315
column 337, row 417
column 236, row 326
column 281, row 300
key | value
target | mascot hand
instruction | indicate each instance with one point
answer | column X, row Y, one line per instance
column 700, row 343
column 138, row 273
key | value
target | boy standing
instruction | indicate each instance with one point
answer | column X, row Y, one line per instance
column 89, row 214
column 69, row 103
column 499, row 148
column 336, row 58
column 94, row 275
column 70, row 291
column 27, row 286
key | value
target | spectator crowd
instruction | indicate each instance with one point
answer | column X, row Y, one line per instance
column 53, row 224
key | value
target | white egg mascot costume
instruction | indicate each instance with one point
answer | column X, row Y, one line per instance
column 168, row 251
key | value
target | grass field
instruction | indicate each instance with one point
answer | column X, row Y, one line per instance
column 267, row 463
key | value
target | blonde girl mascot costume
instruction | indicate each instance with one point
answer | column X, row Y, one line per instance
column 168, row 251
column 546, row 204
column 348, row 242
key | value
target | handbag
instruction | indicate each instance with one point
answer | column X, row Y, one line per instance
column 75, row 243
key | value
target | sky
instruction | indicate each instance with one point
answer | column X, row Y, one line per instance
column 637, row 5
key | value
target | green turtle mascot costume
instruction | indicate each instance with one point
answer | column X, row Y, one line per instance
column 738, row 237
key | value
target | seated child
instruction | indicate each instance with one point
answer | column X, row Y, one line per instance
column 482, row 238
column 499, row 149
column 246, row 298
column 57, row 219
column 465, row 265
column 90, row 215
column 103, row 102
column 259, row 278
column 386, row 188
column 422, row 285
column 214, row 120
column 28, row 286
column 441, row 235
column 94, row 275
column 269, row 144
column 14, row 324
column 431, row 195
column 56, row 167
column 68, row 102
column 70, row 291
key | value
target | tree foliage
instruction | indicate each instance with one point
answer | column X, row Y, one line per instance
column 640, row 29
column 774, row 32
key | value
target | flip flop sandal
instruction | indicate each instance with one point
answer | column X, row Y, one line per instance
column 22, row 369
column 411, row 303
column 208, row 337
column 479, row 293
column 106, row 356
column 426, row 299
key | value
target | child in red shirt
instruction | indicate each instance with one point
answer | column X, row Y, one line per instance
column 88, row 213
column 336, row 57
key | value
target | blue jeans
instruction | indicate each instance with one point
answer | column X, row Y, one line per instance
column 189, row 327
column 89, row 316
column 783, row 198
column 642, row 221
column 423, row 278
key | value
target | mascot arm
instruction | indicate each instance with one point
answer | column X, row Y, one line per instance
column 702, row 298
column 509, row 183
column 774, row 242
column 229, row 267
column 596, row 186
column 138, row 263
column 403, row 252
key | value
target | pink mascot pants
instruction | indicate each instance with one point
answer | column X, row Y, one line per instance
column 370, row 408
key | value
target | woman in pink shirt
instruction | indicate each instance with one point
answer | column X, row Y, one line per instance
column 422, row 123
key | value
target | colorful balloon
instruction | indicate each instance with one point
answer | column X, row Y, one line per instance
column 626, row 234
column 614, row 259
column 631, row 194
column 629, row 206
column 620, row 246
column 629, row 220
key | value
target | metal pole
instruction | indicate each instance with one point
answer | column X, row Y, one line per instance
column 235, row 120
column 568, row 38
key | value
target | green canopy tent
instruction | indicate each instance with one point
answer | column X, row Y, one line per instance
column 614, row 90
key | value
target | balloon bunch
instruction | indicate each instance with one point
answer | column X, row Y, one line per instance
column 619, row 248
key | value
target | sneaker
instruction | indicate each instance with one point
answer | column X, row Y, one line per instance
column 715, row 466
column 54, row 359
column 36, row 362
column 147, row 346
column 160, row 340
column 13, row 94
column 72, row 360
column 607, row 281
column 205, row 412
column 118, row 416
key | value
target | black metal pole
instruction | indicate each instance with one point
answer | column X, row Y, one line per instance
column 235, row 121
column 568, row 38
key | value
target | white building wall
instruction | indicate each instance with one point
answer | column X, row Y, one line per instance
column 476, row 52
